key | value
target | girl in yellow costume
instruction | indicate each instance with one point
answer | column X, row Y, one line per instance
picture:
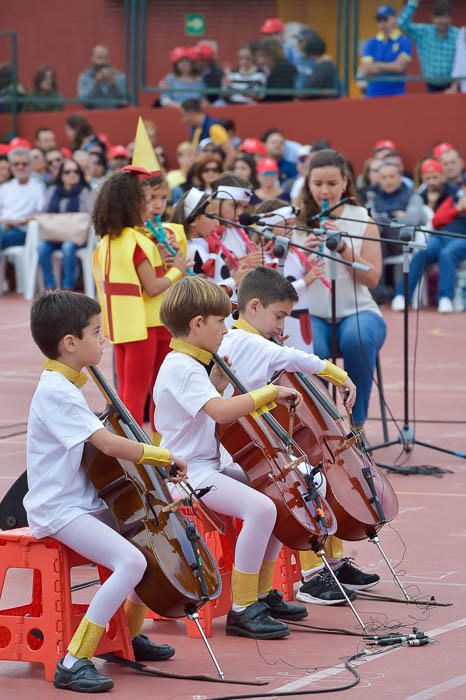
column 129, row 274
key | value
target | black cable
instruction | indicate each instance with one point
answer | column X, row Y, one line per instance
column 424, row 420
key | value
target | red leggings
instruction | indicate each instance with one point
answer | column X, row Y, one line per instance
column 133, row 363
column 163, row 346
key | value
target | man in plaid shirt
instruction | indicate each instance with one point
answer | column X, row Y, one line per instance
column 435, row 43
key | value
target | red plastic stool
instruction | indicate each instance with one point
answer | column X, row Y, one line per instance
column 287, row 572
column 223, row 551
column 40, row 630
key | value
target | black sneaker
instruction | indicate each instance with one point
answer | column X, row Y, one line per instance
column 322, row 590
column 82, row 677
column 353, row 578
column 281, row 609
column 255, row 622
column 146, row 650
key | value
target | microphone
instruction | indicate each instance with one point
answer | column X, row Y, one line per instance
column 247, row 219
column 325, row 212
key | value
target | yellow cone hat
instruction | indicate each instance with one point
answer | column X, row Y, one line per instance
column 144, row 163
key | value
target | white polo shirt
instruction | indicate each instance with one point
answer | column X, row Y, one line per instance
column 18, row 201
column 256, row 359
column 59, row 423
column 182, row 389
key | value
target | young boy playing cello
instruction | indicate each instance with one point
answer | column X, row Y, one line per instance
column 61, row 501
column 188, row 403
column 265, row 300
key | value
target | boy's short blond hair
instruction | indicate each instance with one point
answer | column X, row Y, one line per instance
column 191, row 297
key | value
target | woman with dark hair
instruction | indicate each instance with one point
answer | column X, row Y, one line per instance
column 97, row 169
column 280, row 73
column 183, row 82
column 207, row 168
column 70, row 193
column 245, row 166
column 80, row 133
column 360, row 328
column 44, row 84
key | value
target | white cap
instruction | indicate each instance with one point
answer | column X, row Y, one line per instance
column 192, row 200
column 278, row 216
column 237, row 194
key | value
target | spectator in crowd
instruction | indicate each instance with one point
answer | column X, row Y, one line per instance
column 210, row 71
column 386, row 55
column 207, row 168
column 118, row 157
column 453, row 164
column 393, row 201
column 185, row 155
column 246, row 82
column 275, row 144
column 294, row 185
column 280, row 74
column 81, row 134
column 54, row 158
column 183, row 83
column 230, row 127
column 434, row 189
column 7, row 89
column 269, row 182
column 303, row 61
column 458, row 72
column 435, row 43
column 71, row 193
column 450, row 215
column 255, row 147
column 368, row 181
column 38, row 164
column 324, row 75
column 45, row 139
column 44, row 85
column 245, row 166
column 20, row 198
column 97, row 170
column 203, row 126
column 5, row 172
column 395, row 157
column 101, row 86
column 82, row 159
column 273, row 28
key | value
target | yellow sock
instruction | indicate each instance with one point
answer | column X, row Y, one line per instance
column 135, row 616
column 266, row 578
column 244, row 587
column 309, row 560
column 85, row 640
column 335, row 547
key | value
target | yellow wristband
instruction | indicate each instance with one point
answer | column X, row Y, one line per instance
column 173, row 275
column 334, row 374
column 157, row 456
column 264, row 399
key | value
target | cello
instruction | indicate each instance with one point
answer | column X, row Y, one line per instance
column 273, row 462
column 181, row 572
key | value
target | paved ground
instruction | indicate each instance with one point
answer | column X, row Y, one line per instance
column 427, row 540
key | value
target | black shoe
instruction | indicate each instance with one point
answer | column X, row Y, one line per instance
column 255, row 622
column 352, row 577
column 83, row 677
column 281, row 609
column 146, row 650
column 322, row 590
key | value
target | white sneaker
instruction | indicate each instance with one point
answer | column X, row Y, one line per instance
column 398, row 303
column 445, row 306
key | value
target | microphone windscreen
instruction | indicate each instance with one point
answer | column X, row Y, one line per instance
column 246, row 219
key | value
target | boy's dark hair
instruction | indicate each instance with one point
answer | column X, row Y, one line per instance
column 118, row 204
column 56, row 314
column 267, row 285
column 269, row 132
column 441, row 8
column 270, row 205
column 191, row 105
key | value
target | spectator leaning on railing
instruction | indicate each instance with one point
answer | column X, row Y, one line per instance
column 385, row 55
column 435, row 43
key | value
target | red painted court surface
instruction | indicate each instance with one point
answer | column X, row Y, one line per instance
column 427, row 541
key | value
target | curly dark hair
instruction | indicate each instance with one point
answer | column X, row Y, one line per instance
column 323, row 159
column 118, row 204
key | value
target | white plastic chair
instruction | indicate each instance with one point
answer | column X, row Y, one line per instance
column 24, row 258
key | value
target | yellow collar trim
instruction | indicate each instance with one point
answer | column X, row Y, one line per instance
column 76, row 378
column 200, row 354
column 394, row 35
column 245, row 326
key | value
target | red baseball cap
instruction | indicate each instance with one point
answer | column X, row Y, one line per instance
column 441, row 148
column 66, row 153
column 267, row 166
column 385, row 143
column 4, row 148
column 19, row 142
column 178, row 53
column 254, row 146
column 272, row 25
column 431, row 166
column 118, row 152
column 205, row 51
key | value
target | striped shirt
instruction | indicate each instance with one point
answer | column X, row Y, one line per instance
column 436, row 53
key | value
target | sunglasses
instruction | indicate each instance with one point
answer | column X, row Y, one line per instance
column 302, row 159
column 20, row 164
column 73, row 170
column 54, row 160
column 211, row 170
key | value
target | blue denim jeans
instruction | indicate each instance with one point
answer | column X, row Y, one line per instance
column 45, row 250
column 360, row 337
column 448, row 252
column 11, row 236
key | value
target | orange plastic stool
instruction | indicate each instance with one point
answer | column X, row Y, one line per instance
column 287, row 572
column 41, row 630
column 223, row 551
